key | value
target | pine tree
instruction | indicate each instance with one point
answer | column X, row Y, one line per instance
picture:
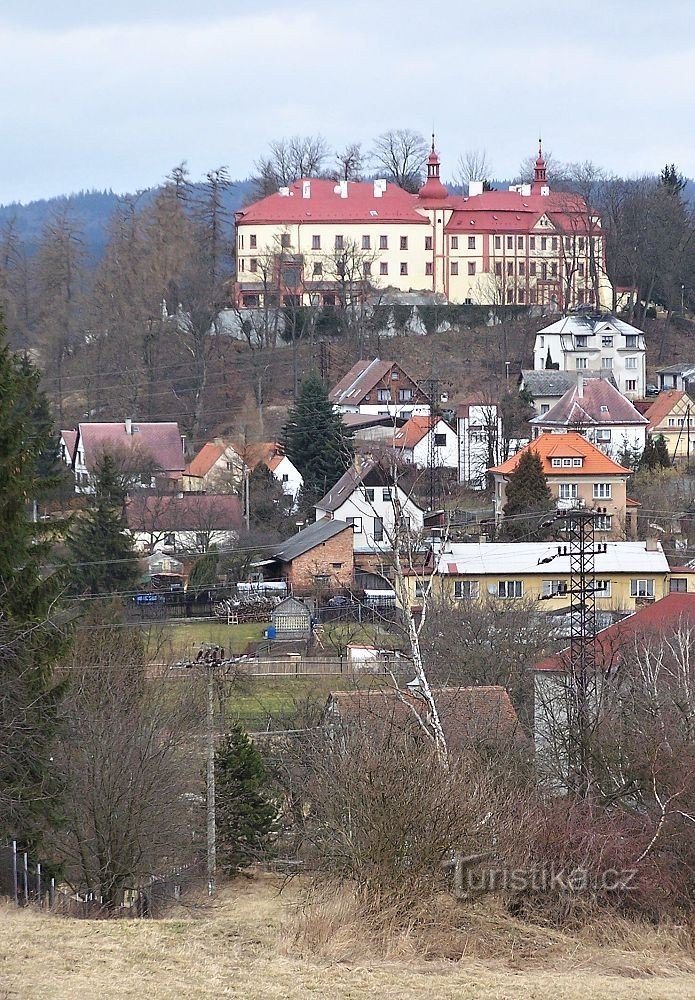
column 33, row 631
column 269, row 505
column 245, row 814
column 528, row 499
column 661, row 449
column 102, row 554
column 317, row 441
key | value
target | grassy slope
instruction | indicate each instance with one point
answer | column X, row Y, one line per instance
column 237, row 948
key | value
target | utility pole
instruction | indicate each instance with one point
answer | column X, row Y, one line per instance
column 324, row 360
column 210, row 657
column 247, row 499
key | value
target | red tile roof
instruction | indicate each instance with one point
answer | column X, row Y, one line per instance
column 414, row 431
column 662, row 406
column 598, row 402
column 205, row 459
column 161, row 442
column 568, row 445
column 651, row 619
column 190, row 512
column 326, row 205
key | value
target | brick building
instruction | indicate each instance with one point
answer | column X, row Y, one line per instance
column 319, row 557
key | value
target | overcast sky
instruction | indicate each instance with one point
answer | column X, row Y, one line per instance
column 99, row 94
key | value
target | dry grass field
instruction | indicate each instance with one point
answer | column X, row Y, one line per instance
column 253, row 943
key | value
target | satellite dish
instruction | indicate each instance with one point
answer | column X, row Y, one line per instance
column 491, row 588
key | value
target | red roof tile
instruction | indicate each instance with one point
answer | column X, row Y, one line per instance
column 598, row 402
column 662, row 406
column 568, row 445
column 205, row 459
column 190, row 512
column 160, row 441
column 651, row 619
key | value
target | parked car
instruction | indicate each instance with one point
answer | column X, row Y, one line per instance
column 339, row 601
column 651, row 389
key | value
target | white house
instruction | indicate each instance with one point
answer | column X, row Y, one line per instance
column 587, row 342
column 365, row 498
column 479, row 432
column 148, row 451
column 192, row 522
column 421, row 437
column 596, row 409
column 381, row 388
column 219, row 459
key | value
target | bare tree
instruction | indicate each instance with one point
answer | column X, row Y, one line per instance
column 473, row 165
column 289, row 160
column 401, row 154
column 349, row 162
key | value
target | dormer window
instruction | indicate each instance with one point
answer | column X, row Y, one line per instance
column 556, row 463
column 604, row 409
column 577, row 462
column 580, row 340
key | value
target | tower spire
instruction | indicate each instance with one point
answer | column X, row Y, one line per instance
column 539, row 170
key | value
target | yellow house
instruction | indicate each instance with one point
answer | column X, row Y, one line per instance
column 627, row 574
column 323, row 242
column 672, row 416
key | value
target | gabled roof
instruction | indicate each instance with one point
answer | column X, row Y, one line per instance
column 597, row 402
column 190, row 512
column 268, row 453
column 415, row 429
column 70, row 440
column 569, row 445
column 663, row 405
column 652, row 618
column 469, row 715
column 552, row 382
column 160, row 442
column 360, row 380
column 308, row 538
column 205, row 459
column 346, row 485
column 361, row 421
column 687, row 370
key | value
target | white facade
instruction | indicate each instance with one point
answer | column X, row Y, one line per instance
column 441, row 438
column 479, row 431
column 171, row 542
column 288, row 475
column 590, row 343
column 371, row 511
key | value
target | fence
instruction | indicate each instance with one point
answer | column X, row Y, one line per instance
column 308, row 666
column 25, row 882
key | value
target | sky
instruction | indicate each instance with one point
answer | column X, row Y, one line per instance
column 114, row 94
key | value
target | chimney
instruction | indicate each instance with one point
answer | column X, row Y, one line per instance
column 129, row 426
column 284, row 192
column 379, row 187
column 306, row 189
column 652, row 545
column 343, row 189
column 475, row 188
column 580, row 385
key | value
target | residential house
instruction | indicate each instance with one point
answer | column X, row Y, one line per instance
column 578, row 474
column 152, row 453
column 379, row 388
column 272, row 455
column 672, row 416
column 480, row 438
column 613, row 647
column 594, row 342
column 192, row 522
column 546, row 386
column 480, row 717
column 316, row 241
column 319, row 556
column 215, row 462
column 627, row 574
column 596, row 409
column 679, row 376
column 366, row 498
column 423, row 438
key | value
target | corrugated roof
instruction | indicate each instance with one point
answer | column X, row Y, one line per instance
column 568, row 445
column 308, row 538
column 489, row 558
column 611, row 642
column 599, row 402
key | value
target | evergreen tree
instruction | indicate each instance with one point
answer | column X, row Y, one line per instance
column 102, row 554
column 203, row 573
column 245, row 814
column 655, row 454
column 662, row 455
column 33, row 632
column 270, row 506
column 671, row 179
column 317, row 441
column 528, row 499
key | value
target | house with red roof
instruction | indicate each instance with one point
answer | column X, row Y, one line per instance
column 381, row 388
column 672, row 416
column 327, row 242
column 221, row 461
column 188, row 523
column 425, row 436
column 595, row 408
column 152, row 453
column 578, row 474
column 614, row 648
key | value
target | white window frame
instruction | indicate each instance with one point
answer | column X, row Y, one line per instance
column 642, row 587
column 602, row 588
column 568, row 491
column 603, row 522
column 471, row 586
column 356, row 523
column 510, row 590
column 554, row 588
column 603, row 491
column 581, row 364
column 631, row 364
